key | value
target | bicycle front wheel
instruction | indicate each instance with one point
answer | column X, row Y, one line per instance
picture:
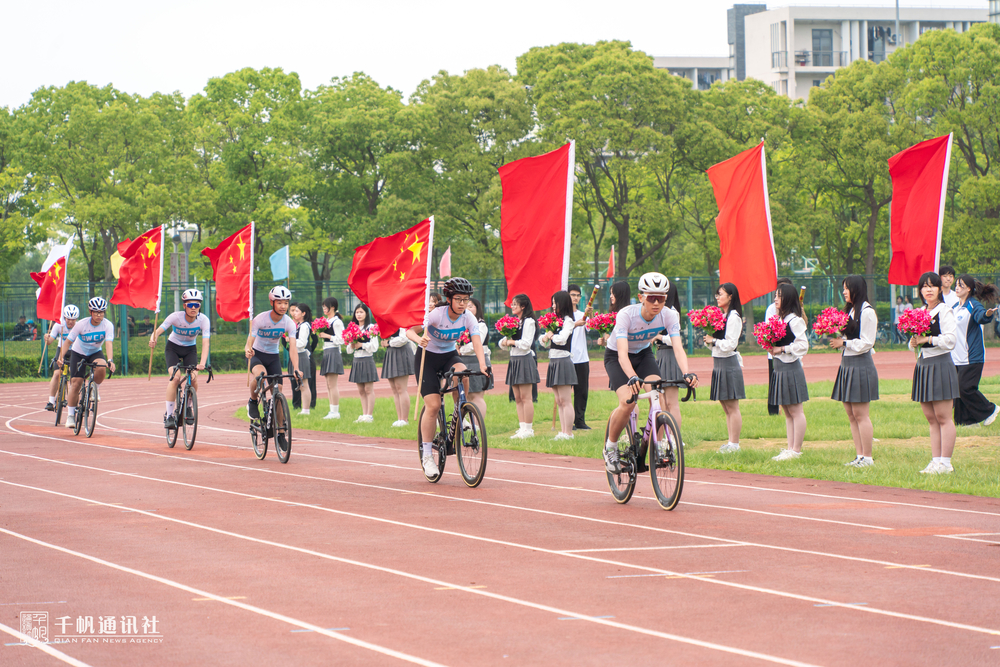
column 282, row 428
column 178, row 407
column 189, row 417
column 90, row 422
column 438, row 448
column 666, row 462
column 81, row 409
column 622, row 483
column 60, row 399
column 470, row 445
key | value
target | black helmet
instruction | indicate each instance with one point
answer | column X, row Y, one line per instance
column 457, row 286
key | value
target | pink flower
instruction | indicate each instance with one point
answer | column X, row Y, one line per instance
column 915, row 322
column 770, row 331
column 508, row 325
column 320, row 323
column 710, row 318
column 602, row 323
column 550, row 322
column 464, row 338
column 352, row 333
column 830, row 322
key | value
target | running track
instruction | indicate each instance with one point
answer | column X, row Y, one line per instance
column 347, row 556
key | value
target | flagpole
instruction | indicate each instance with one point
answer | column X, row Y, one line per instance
column 149, row 374
column 42, row 360
column 427, row 301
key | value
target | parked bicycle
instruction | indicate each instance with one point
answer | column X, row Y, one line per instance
column 186, row 407
column 62, row 394
column 86, row 408
column 660, row 438
column 275, row 419
column 467, row 442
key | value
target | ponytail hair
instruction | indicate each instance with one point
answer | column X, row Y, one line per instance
column 857, row 288
column 734, row 296
column 983, row 292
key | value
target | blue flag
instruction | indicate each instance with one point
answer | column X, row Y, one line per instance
column 279, row 264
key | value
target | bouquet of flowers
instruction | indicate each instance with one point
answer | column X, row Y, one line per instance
column 770, row 331
column 830, row 322
column 371, row 331
column 320, row 323
column 550, row 322
column 915, row 322
column 508, row 325
column 602, row 323
column 464, row 339
column 710, row 318
column 355, row 334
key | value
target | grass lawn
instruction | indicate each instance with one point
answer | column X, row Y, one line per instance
column 902, row 449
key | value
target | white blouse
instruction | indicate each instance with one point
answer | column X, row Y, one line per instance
column 469, row 350
column 726, row 347
column 522, row 347
column 944, row 343
column 338, row 329
column 869, row 327
column 798, row 348
column 560, row 339
column 366, row 350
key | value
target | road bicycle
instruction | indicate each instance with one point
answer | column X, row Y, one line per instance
column 661, row 439
column 467, row 442
column 275, row 419
column 63, row 392
column 185, row 407
column 86, row 412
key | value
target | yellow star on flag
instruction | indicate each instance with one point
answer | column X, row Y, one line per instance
column 401, row 276
column 415, row 248
column 150, row 248
column 241, row 244
column 55, row 267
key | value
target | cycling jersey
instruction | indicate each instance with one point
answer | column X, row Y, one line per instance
column 59, row 331
column 444, row 332
column 87, row 337
column 631, row 326
column 185, row 332
column 267, row 332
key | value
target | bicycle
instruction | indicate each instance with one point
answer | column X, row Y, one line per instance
column 275, row 420
column 63, row 392
column 884, row 335
column 186, row 407
column 468, row 442
column 666, row 457
column 86, row 413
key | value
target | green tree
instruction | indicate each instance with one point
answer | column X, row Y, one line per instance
column 18, row 232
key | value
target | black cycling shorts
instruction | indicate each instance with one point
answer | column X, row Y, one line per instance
column 643, row 363
column 185, row 354
column 76, row 361
column 437, row 362
column 270, row 362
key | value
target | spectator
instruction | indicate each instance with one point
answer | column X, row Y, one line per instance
column 131, row 325
column 145, row 328
column 21, row 330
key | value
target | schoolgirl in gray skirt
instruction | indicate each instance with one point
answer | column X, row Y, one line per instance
column 935, row 379
column 788, row 387
column 478, row 384
column 561, row 375
column 522, row 370
column 397, row 369
column 331, row 365
column 857, row 380
column 727, row 365
column 363, row 370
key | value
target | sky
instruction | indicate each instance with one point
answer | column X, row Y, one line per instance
column 146, row 47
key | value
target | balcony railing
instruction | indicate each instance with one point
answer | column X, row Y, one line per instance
column 779, row 59
column 821, row 58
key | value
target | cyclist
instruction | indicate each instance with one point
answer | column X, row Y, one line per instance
column 629, row 356
column 443, row 325
column 181, row 348
column 86, row 338
column 262, row 344
column 58, row 332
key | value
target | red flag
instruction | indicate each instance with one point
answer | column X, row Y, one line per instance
column 611, row 264
column 919, row 180
column 52, row 284
column 232, row 270
column 536, row 215
column 746, row 242
column 392, row 274
column 140, row 277
column 445, row 267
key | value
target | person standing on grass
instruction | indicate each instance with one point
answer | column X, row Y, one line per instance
column 561, row 375
column 935, row 380
column 666, row 358
column 363, row 370
column 332, row 366
column 478, row 384
column 788, row 384
column 727, row 365
column 522, row 369
column 969, row 355
column 856, row 385
column 302, row 316
column 581, row 360
column 397, row 369
column 772, row 310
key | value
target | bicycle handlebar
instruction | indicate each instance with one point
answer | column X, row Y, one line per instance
column 94, row 364
column 657, row 385
column 448, row 375
column 180, row 367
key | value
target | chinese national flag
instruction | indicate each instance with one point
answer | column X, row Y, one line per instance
column 746, row 242
column 392, row 274
column 232, row 269
column 536, row 214
column 611, row 265
column 140, row 276
column 919, row 182
column 52, row 284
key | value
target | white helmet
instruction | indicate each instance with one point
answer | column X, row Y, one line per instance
column 653, row 283
column 279, row 293
column 71, row 312
column 192, row 295
column 97, row 303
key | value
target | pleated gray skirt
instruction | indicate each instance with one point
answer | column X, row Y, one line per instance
column 477, row 383
column 363, row 370
column 665, row 359
column 561, row 372
column 305, row 366
column 935, row 379
column 332, row 362
column 857, row 380
column 788, row 383
column 398, row 362
column 522, row 369
column 727, row 379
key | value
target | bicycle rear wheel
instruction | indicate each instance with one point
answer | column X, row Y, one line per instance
column 666, row 462
column 60, row 399
column 282, row 421
column 623, row 483
column 81, row 409
column 438, row 448
column 259, row 441
column 91, row 420
column 470, row 445
column 190, row 424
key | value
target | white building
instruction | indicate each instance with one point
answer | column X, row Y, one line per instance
column 995, row 11
column 702, row 72
column 795, row 48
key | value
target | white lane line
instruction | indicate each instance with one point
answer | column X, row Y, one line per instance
column 400, row 573
column 618, row 564
column 42, row 646
column 683, row 546
column 235, row 603
column 971, row 537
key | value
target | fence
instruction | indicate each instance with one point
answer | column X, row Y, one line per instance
column 20, row 357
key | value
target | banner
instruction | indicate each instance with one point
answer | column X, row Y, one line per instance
column 279, row 264
column 444, row 269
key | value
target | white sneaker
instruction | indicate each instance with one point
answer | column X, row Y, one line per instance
column 364, row 419
column 332, row 415
column 369, row 418
column 71, row 422
column 865, row 462
column 525, row 433
column 430, row 467
column 855, row 463
column 611, row 461
column 933, row 468
column 400, row 422
column 563, row 436
column 303, row 413
column 945, row 468
column 992, row 418
column 786, row 454
column 729, row 448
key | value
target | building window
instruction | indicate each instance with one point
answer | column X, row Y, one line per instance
column 822, row 47
column 816, row 82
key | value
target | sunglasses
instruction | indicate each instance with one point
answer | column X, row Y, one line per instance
column 656, row 298
column 195, row 305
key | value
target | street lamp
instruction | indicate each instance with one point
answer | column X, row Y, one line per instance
column 173, row 271
column 187, row 238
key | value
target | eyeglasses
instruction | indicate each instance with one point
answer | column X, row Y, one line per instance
column 656, row 298
column 195, row 305
column 462, row 299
